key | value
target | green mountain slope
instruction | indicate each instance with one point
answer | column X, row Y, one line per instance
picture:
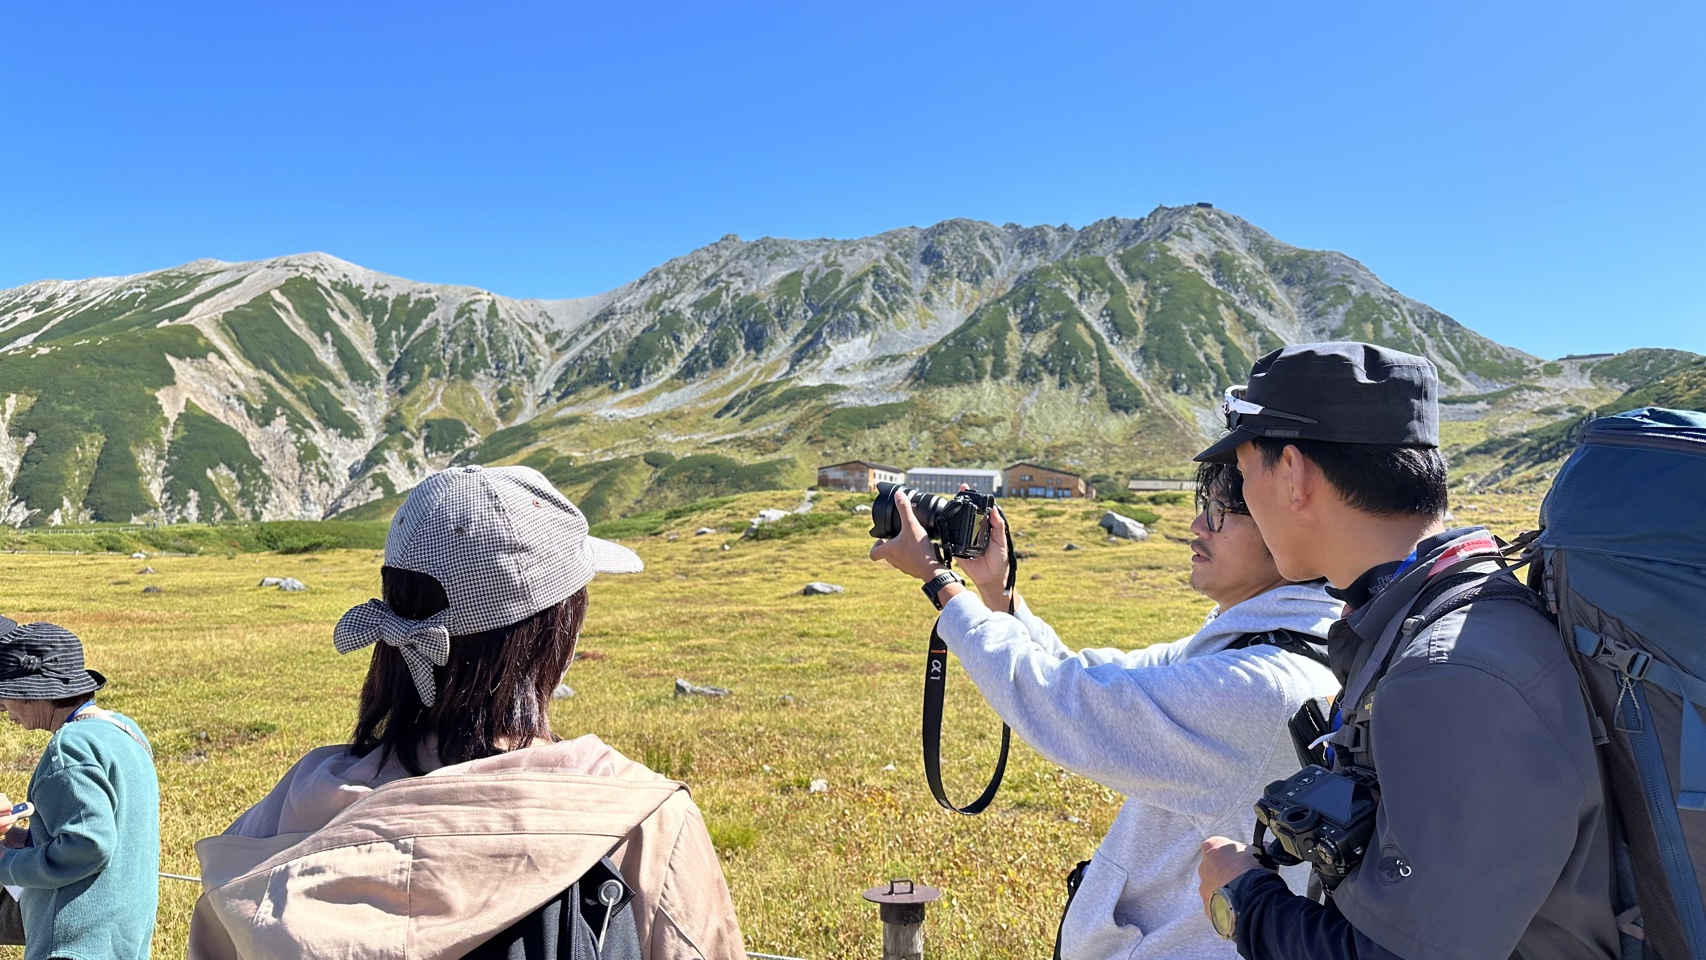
column 305, row 387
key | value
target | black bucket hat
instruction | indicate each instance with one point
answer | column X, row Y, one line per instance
column 43, row 661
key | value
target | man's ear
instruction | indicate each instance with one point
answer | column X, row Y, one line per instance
column 1299, row 478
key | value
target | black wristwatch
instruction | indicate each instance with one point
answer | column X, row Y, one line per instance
column 933, row 587
column 1223, row 914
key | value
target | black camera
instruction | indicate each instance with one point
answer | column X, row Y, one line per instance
column 960, row 526
column 1320, row 817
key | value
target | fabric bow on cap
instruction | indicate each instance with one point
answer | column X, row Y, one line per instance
column 423, row 643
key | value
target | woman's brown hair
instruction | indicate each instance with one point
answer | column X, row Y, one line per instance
column 493, row 693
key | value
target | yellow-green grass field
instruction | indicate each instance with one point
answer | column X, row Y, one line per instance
column 233, row 683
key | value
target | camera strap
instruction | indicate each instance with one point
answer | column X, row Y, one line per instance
column 935, row 682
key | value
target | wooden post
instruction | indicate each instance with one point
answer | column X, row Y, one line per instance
column 901, row 907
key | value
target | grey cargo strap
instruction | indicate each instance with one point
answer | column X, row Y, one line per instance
column 107, row 715
column 1635, row 666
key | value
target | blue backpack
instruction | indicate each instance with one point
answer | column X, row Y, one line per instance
column 1621, row 560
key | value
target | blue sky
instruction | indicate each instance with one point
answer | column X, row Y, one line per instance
column 1534, row 170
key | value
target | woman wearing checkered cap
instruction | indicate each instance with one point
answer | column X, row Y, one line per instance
column 83, row 873
column 455, row 823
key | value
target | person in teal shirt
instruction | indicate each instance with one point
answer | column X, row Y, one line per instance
column 88, row 872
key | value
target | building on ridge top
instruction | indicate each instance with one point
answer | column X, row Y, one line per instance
column 947, row 480
column 1143, row 485
column 859, row 476
column 1026, row 479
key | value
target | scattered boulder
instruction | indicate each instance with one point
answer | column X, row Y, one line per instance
column 1070, row 546
column 1036, row 576
column 139, row 555
column 563, row 692
column 764, row 517
column 862, row 508
column 685, row 688
column 818, row 588
column 819, row 785
column 292, row 585
column 889, row 768
column 785, row 700
column 1024, row 554
column 270, row 581
column 703, row 531
column 145, row 571
column 725, row 546
column 1123, row 527
column 670, row 538
column 152, row 589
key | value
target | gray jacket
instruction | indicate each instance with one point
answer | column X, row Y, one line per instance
column 1492, row 839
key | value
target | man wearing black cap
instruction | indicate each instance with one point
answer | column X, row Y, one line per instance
column 1490, row 838
column 87, row 874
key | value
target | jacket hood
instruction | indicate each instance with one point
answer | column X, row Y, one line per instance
column 430, row 866
column 1298, row 607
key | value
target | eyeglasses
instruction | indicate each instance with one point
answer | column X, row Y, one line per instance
column 1235, row 408
column 1215, row 513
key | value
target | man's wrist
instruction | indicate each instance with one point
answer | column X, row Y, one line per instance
column 943, row 586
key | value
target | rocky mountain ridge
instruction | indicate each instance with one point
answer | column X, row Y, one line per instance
column 305, row 386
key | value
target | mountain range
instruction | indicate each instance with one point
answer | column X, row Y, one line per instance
column 309, row 387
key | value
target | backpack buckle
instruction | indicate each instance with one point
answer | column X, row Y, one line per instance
column 1627, row 661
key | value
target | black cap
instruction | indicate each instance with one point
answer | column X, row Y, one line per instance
column 43, row 661
column 1339, row 393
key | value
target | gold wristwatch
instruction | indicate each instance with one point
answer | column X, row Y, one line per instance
column 1223, row 914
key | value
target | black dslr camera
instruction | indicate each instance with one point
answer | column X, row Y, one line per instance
column 960, row 526
column 1320, row 817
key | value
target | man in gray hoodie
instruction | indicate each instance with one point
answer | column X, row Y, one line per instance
column 1187, row 731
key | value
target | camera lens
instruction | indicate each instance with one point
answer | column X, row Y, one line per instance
column 927, row 507
column 885, row 520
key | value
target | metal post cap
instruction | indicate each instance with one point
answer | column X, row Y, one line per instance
column 902, row 891
column 902, row 901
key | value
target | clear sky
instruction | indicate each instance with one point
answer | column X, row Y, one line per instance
column 1533, row 169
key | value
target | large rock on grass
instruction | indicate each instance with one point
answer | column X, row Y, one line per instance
column 687, row 688
column 1123, row 527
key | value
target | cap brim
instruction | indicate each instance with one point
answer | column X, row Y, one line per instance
column 610, row 557
column 1225, row 450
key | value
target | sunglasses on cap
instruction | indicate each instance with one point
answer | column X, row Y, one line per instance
column 1235, row 408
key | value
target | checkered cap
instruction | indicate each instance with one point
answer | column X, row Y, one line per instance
column 502, row 541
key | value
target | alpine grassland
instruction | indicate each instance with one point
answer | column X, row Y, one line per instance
column 233, row 682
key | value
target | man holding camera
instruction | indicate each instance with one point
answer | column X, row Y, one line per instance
column 1489, row 835
column 1184, row 730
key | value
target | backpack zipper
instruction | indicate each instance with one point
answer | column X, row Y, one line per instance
column 1647, row 441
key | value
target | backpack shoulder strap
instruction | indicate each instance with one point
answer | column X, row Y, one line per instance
column 1302, row 644
column 1478, row 581
column 99, row 714
column 1436, row 605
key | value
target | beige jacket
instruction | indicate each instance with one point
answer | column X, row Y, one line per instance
column 430, row 867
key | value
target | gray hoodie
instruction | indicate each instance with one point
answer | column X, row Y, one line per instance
column 1189, row 731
